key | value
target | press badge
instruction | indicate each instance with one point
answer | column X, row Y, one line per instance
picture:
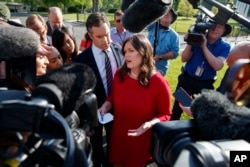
column 199, row 71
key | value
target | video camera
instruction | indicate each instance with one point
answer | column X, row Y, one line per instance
column 200, row 27
column 177, row 143
column 204, row 15
column 58, row 123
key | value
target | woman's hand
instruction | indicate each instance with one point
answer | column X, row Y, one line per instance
column 139, row 131
column 44, row 49
column 143, row 128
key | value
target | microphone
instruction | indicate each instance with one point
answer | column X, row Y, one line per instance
column 66, row 87
column 18, row 47
column 218, row 118
column 143, row 12
column 126, row 3
column 16, row 42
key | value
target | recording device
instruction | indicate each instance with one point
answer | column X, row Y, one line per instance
column 140, row 13
column 214, row 153
column 198, row 29
column 238, row 84
column 183, row 97
column 169, row 138
column 68, row 91
column 224, row 13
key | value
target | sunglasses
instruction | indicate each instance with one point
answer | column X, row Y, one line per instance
column 118, row 21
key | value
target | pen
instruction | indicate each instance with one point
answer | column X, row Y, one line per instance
column 102, row 118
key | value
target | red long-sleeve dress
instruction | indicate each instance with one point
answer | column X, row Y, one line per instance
column 134, row 105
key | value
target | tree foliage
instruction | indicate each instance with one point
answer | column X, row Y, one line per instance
column 186, row 9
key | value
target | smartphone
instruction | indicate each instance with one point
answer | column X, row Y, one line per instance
column 183, row 97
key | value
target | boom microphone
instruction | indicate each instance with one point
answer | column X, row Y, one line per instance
column 66, row 87
column 218, row 118
column 143, row 12
column 16, row 42
column 126, row 3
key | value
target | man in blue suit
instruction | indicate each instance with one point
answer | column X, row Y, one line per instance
column 98, row 28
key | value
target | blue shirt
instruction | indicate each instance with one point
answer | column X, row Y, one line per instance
column 117, row 37
column 218, row 48
column 168, row 41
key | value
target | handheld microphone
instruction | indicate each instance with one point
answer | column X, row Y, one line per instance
column 143, row 12
column 218, row 118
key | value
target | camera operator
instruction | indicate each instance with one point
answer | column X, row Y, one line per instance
column 202, row 62
column 239, row 51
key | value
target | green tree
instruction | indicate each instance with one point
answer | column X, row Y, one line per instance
column 186, row 9
column 111, row 4
column 176, row 4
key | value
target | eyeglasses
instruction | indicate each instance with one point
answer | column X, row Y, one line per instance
column 118, row 21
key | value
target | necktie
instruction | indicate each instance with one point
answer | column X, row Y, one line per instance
column 109, row 75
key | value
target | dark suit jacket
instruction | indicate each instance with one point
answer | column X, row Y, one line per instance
column 87, row 58
column 69, row 26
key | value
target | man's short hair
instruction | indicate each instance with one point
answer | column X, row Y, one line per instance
column 95, row 20
column 31, row 20
column 118, row 13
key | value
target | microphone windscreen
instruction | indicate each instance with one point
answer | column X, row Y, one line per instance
column 72, row 79
column 17, row 42
column 125, row 4
column 143, row 12
column 218, row 118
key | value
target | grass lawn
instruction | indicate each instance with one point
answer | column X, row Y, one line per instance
column 175, row 70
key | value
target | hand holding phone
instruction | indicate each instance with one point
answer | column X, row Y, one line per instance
column 183, row 97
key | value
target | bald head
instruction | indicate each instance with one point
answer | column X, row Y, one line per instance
column 239, row 51
column 55, row 17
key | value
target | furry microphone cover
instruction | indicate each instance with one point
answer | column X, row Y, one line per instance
column 218, row 118
column 17, row 42
column 141, row 13
column 72, row 79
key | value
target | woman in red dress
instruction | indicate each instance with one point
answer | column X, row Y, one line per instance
column 140, row 97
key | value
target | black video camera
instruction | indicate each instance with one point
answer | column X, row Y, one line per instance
column 200, row 27
column 176, row 143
